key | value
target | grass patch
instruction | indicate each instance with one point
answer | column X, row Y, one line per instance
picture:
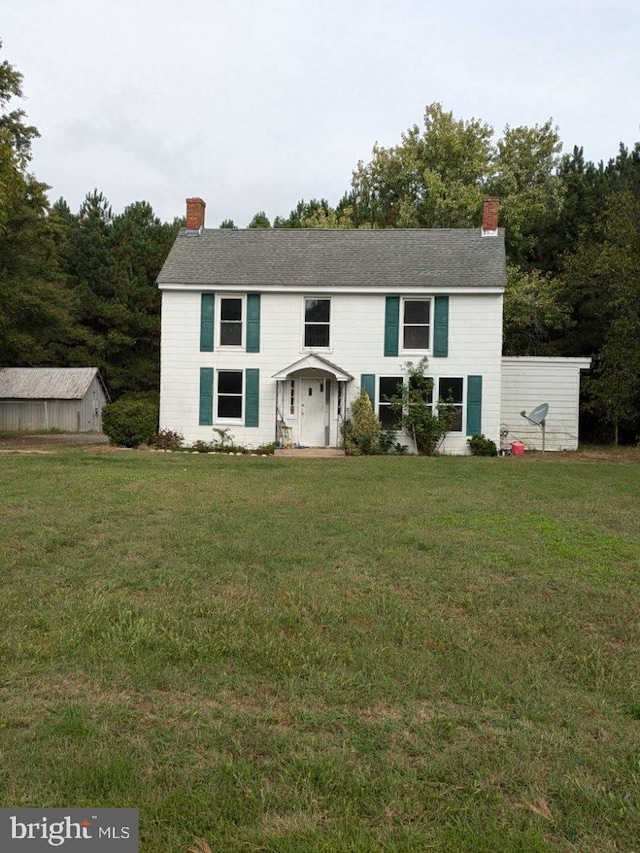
column 366, row 654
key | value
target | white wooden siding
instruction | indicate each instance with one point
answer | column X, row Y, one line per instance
column 357, row 346
column 529, row 381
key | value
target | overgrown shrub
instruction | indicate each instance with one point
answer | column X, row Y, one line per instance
column 481, row 446
column 361, row 430
column 130, row 421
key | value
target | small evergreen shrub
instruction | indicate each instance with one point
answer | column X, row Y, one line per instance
column 361, row 430
column 130, row 421
column 481, row 446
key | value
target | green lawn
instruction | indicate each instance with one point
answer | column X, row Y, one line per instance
column 373, row 654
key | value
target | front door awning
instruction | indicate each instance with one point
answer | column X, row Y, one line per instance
column 313, row 365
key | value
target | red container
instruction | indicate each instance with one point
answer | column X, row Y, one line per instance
column 517, row 448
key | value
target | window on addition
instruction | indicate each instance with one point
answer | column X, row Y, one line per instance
column 317, row 323
column 229, row 404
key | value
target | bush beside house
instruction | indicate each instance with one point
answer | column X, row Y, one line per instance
column 130, row 421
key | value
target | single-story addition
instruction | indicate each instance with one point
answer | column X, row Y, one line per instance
column 528, row 381
column 42, row 398
column 272, row 333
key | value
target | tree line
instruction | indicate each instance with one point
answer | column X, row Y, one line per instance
column 79, row 288
column 76, row 289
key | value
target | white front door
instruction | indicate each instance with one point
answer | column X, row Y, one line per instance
column 312, row 412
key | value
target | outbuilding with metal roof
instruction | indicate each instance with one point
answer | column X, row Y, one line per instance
column 70, row 399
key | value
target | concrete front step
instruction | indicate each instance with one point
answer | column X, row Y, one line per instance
column 322, row 452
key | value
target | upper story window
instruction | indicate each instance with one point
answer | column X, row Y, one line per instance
column 317, row 323
column 231, row 321
column 416, row 324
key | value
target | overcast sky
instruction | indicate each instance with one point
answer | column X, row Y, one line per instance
column 253, row 105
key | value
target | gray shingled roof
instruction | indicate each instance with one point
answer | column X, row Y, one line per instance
column 45, row 383
column 299, row 257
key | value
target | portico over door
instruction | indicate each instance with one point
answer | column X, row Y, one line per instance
column 313, row 410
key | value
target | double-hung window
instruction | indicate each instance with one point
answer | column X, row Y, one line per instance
column 317, row 323
column 231, row 311
column 450, row 390
column 388, row 386
column 229, row 394
column 416, row 324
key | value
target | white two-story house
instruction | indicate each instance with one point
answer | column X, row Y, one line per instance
column 271, row 333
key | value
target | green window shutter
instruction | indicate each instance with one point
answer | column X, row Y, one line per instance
column 391, row 325
column 252, row 397
column 368, row 384
column 207, row 303
column 253, row 322
column 441, row 327
column 474, row 405
column 206, row 396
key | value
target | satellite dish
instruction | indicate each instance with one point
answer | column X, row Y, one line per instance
column 537, row 417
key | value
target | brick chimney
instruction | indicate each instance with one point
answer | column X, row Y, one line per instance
column 195, row 214
column 490, row 209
